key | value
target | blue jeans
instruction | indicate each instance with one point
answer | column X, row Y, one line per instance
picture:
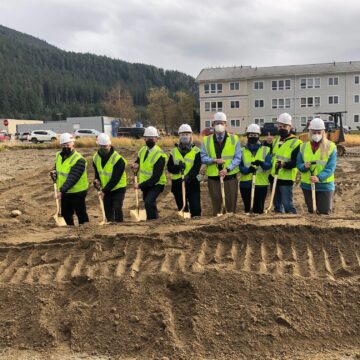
column 283, row 200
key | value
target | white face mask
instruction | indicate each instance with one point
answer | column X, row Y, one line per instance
column 219, row 128
column 316, row 137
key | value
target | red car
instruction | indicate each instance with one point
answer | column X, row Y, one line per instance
column 4, row 136
column 207, row 131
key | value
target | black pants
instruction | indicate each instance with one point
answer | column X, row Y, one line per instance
column 149, row 196
column 71, row 203
column 192, row 196
column 113, row 202
column 259, row 199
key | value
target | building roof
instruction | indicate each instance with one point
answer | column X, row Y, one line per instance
column 249, row 72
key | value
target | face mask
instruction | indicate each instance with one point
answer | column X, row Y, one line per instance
column 253, row 140
column 66, row 151
column 219, row 128
column 103, row 151
column 150, row 143
column 184, row 139
column 316, row 137
column 283, row 133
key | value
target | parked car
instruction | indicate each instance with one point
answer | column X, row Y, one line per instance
column 24, row 136
column 4, row 136
column 133, row 132
column 86, row 133
column 269, row 127
column 329, row 126
column 40, row 136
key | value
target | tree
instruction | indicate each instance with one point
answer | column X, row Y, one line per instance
column 184, row 109
column 119, row 103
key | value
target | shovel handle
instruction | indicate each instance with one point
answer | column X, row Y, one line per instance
column 253, row 184
column 136, row 192
column 183, row 190
column 57, row 200
column 272, row 193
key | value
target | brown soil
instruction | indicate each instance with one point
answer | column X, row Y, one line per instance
column 234, row 287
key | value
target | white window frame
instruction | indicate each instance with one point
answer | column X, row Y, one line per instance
column 259, row 107
column 284, row 86
column 212, row 108
column 233, row 104
column 333, row 97
column 314, row 102
column 356, row 116
column 307, row 82
column 306, row 118
column 235, row 123
column 331, row 81
column 219, row 85
column 275, row 103
column 206, row 88
column 259, row 121
column 207, row 123
column 235, row 85
column 257, row 85
column 357, row 79
column 356, row 97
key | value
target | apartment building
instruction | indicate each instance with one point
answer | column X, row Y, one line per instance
column 259, row 94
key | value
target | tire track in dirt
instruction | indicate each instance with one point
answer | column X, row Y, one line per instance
column 332, row 257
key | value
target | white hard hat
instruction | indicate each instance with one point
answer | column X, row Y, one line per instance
column 316, row 124
column 66, row 138
column 253, row 128
column 185, row 128
column 284, row 118
column 220, row 116
column 151, row 131
column 103, row 139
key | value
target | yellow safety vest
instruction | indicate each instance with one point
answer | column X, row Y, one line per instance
column 106, row 172
column 227, row 154
column 146, row 167
column 63, row 169
column 309, row 156
column 262, row 176
column 283, row 154
column 188, row 160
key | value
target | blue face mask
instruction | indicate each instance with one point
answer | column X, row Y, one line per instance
column 184, row 139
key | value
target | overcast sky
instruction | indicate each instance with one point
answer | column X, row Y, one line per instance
column 189, row 35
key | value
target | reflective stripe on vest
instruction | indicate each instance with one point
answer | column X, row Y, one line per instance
column 283, row 154
column 63, row 169
column 309, row 156
column 262, row 176
column 189, row 160
column 146, row 167
column 227, row 154
column 106, row 173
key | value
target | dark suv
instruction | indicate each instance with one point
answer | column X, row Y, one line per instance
column 269, row 128
column 133, row 132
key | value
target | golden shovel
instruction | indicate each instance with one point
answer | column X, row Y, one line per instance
column 182, row 213
column 137, row 214
column 59, row 220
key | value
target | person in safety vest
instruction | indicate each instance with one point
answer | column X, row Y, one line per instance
column 284, row 150
column 72, row 181
column 150, row 165
column 185, row 159
column 256, row 159
column 317, row 162
column 221, row 152
column 110, row 174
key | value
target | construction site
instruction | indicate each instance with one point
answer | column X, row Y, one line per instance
column 231, row 287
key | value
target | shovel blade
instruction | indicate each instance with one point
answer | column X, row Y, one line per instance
column 138, row 215
column 59, row 220
column 185, row 215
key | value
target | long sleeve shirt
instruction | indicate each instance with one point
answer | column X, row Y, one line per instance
column 324, row 174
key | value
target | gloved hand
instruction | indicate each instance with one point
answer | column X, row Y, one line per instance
column 181, row 166
column 278, row 165
column 53, row 175
column 96, row 183
column 252, row 169
column 257, row 163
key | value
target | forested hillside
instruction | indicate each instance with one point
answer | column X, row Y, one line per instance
column 38, row 80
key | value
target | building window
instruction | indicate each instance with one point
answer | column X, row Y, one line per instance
column 333, row 99
column 219, row 88
column 356, row 79
column 259, row 103
column 333, row 81
column 310, row 101
column 274, row 120
column 207, row 123
column 213, row 106
column 305, row 119
column 234, row 86
column 356, row 118
column 234, row 123
column 213, row 88
column 235, row 104
column 258, row 85
column 281, row 84
column 206, row 88
column 259, row 121
column 310, row 83
column 356, row 99
column 281, row 103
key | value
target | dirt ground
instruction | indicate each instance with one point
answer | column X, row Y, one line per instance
column 234, row 287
